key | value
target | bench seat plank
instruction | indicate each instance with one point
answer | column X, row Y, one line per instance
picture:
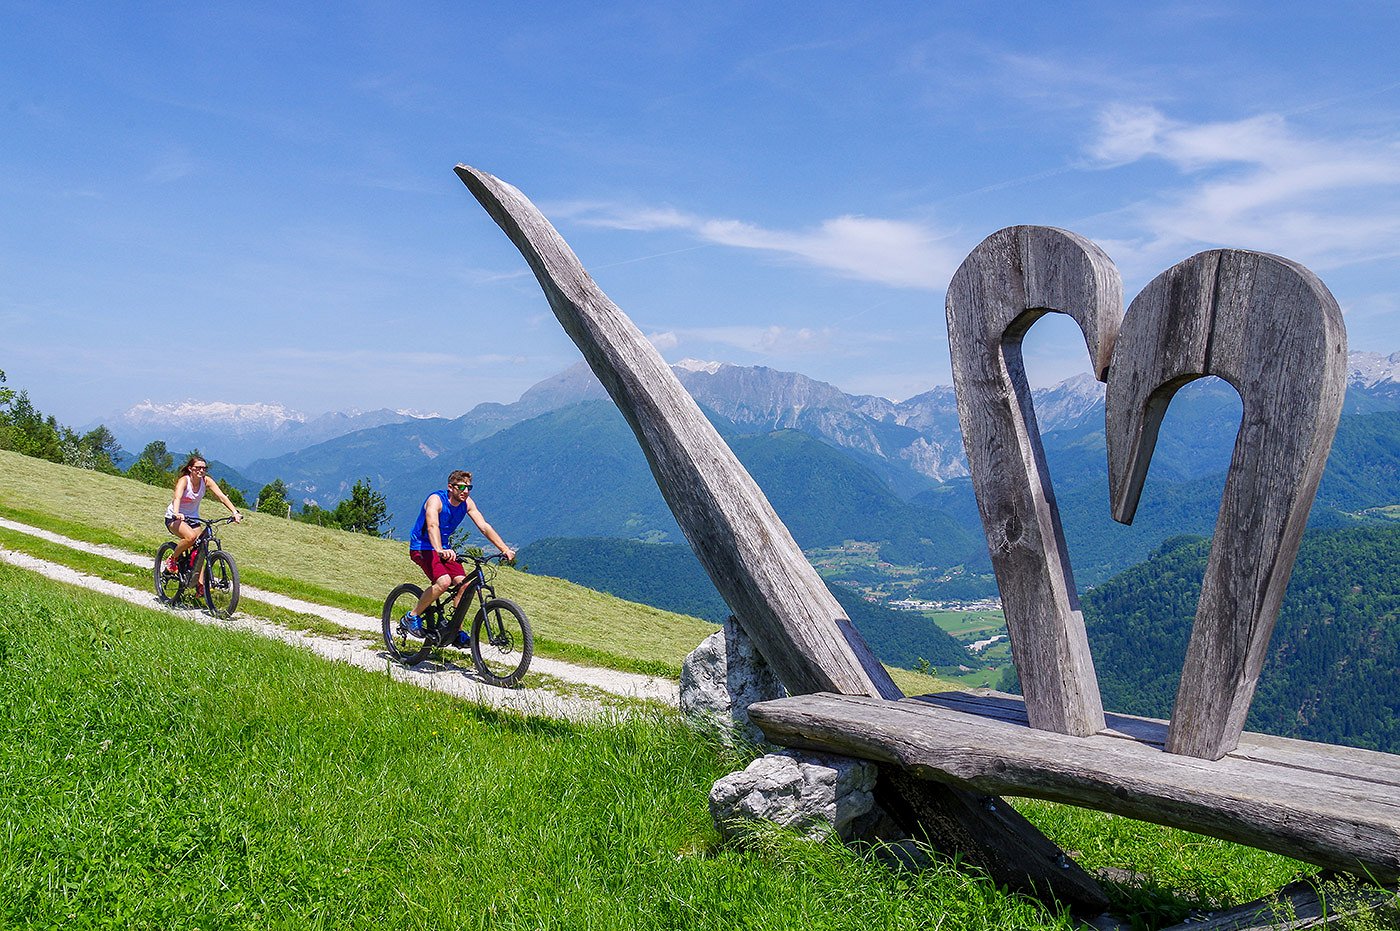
column 1367, row 765
column 1333, row 806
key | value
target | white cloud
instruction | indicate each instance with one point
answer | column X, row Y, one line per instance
column 664, row 341
column 766, row 340
column 898, row 253
column 1256, row 183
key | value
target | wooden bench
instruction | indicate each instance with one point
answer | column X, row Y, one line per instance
column 1266, row 325
column 1337, row 807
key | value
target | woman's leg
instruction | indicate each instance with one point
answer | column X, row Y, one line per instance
column 187, row 534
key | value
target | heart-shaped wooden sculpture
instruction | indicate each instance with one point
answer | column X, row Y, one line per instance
column 1266, row 325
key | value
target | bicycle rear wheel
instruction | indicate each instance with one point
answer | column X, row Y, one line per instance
column 167, row 583
column 502, row 642
column 401, row 644
column 220, row 584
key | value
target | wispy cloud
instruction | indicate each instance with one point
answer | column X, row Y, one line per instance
column 172, row 165
column 1257, row 183
column 898, row 253
column 762, row 340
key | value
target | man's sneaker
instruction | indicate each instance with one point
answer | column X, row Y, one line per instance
column 199, row 589
column 413, row 624
column 170, row 566
column 462, row 640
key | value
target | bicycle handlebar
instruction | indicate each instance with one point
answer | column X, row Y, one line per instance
column 199, row 521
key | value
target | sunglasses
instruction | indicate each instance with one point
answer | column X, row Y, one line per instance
column 199, row 468
column 464, row 486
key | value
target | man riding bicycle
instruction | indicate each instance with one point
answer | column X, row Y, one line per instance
column 443, row 512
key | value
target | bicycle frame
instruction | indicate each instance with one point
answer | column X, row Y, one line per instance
column 480, row 591
column 202, row 546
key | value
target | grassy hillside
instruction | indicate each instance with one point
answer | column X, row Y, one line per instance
column 163, row 774
column 356, row 571
column 350, row 570
column 159, row 773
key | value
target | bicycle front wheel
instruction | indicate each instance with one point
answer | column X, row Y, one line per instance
column 401, row 644
column 502, row 642
column 220, row 584
column 167, row 583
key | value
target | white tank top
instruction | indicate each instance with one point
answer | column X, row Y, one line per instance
column 189, row 500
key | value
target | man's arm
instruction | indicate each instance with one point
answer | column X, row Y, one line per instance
column 488, row 531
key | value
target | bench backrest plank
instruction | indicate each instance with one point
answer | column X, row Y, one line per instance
column 1014, row 277
column 1269, row 327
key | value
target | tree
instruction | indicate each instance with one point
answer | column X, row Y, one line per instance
column 158, row 456
column 28, row 431
column 273, row 499
column 97, row 449
column 365, row 511
column 155, row 466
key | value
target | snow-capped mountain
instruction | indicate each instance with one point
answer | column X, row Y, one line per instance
column 1373, row 370
column 237, row 433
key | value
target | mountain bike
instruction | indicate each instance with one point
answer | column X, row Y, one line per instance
column 502, row 643
column 204, row 568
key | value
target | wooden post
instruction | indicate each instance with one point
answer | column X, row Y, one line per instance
column 1269, row 327
column 1013, row 278
column 777, row 596
column 749, row 554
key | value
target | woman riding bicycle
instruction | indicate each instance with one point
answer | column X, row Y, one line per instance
column 190, row 485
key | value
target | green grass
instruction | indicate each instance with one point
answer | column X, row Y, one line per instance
column 353, row 571
column 346, row 570
column 162, row 774
column 158, row 773
column 968, row 626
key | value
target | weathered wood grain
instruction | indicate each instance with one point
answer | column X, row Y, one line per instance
column 1269, row 327
column 747, row 551
column 1346, row 820
column 1382, row 769
column 1009, row 281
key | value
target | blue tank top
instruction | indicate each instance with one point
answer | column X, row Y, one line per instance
column 449, row 519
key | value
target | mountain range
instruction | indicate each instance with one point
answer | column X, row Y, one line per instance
column 246, row 431
column 561, row 462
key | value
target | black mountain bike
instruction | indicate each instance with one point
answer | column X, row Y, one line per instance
column 205, row 569
column 502, row 643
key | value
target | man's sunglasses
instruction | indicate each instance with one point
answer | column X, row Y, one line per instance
column 464, row 486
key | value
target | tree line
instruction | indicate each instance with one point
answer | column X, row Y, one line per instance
column 26, row 430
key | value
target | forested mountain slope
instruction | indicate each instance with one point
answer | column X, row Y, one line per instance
column 668, row 576
column 1333, row 670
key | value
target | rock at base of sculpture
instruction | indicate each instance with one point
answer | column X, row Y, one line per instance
column 723, row 676
column 814, row 794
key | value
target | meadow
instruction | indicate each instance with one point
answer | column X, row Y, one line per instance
column 158, row 773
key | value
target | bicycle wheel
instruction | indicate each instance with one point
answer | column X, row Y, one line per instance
column 402, row 645
column 502, row 642
column 220, row 584
column 167, row 583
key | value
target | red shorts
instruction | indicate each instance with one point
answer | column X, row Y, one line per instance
column 435, row 566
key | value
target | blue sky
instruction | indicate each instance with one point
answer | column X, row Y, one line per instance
column 255, row 203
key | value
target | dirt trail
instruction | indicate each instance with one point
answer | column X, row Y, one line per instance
column 562, row 701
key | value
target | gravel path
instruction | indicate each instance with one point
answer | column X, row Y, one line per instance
column 453, row 680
